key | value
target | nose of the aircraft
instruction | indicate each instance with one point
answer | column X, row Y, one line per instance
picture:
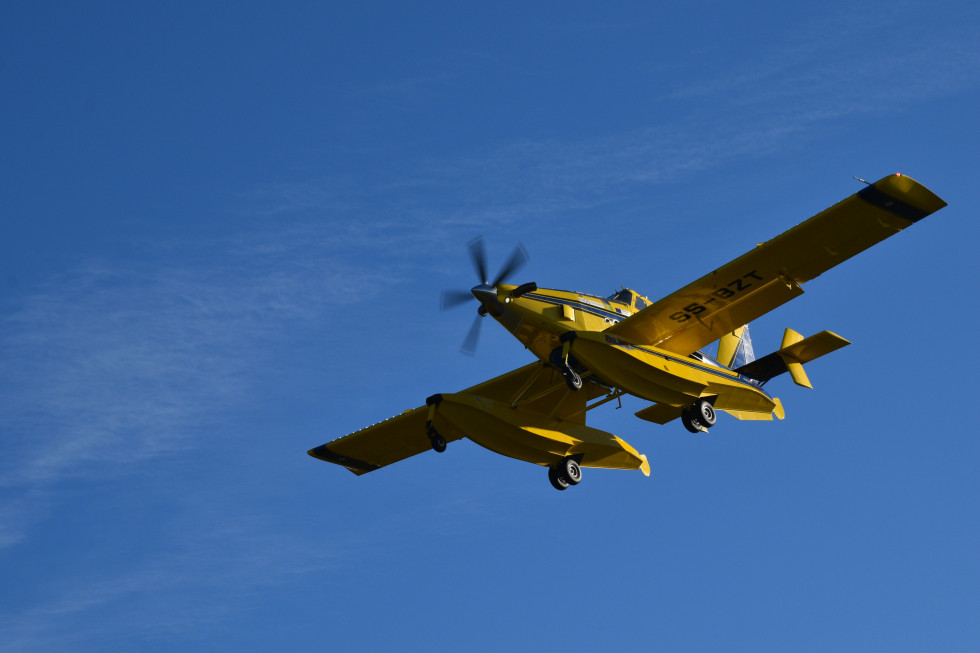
column 485, row 293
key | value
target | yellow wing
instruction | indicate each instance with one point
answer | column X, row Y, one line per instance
column 536, row 387
column 771, row 274
column 374, row 447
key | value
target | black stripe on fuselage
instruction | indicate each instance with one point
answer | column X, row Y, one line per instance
column 582, row 306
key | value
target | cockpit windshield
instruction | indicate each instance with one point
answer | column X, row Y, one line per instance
column 623, row 296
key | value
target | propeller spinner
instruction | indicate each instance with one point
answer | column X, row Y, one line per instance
column 486, row 291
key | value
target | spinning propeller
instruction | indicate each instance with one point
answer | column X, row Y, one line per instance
column 485, row 292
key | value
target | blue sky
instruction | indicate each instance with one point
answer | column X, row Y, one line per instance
column 226, row 231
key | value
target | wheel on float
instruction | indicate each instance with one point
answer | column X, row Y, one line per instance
column 557, row 482
column 569, row 470
column 690, row 423
column 704, row 413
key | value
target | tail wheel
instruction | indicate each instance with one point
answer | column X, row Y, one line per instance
column 704, row 413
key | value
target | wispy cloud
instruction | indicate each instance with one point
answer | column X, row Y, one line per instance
column 802, row 86
column 857, row 61
column 224, row 560
column 118, row 362
column 126, row 361
column 176, row 594
column 409, row 92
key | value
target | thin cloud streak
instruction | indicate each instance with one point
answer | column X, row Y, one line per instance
column 798, row 93
column 121, row 363
column 846, row 64
column 225, row 561
column 177, row 594
column 118, row 363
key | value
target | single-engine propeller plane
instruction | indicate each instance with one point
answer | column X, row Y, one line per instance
column 592, row 350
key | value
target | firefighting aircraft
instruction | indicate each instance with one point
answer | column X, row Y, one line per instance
column 592, row 350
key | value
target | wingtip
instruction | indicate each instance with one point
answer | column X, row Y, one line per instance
column 645, row 466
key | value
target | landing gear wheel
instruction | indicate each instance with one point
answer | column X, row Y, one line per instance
column 572, row 377
column 704, row 413
column 556, row 481
column 570, row 471
column 438, row 442
column 690, row 422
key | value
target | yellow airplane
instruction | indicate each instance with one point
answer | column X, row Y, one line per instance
column 592, row 350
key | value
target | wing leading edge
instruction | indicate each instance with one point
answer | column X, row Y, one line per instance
column 770, row 274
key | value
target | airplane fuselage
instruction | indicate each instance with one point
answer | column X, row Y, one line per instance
column 543, row 319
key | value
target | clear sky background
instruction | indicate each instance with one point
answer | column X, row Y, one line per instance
column 226, row 227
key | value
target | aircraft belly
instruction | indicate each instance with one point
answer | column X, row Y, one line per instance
column 534, row 437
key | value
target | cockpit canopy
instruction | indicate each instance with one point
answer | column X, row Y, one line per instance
column 630, row 298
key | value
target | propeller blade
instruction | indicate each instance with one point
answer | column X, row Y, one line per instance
column 469, row 345
column 516, row 261
column 479, row 255
column 454, row 298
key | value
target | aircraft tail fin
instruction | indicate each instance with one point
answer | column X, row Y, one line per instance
column 793, row 352
column 735, row 348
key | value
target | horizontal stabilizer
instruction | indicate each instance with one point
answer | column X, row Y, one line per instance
column 792, row 355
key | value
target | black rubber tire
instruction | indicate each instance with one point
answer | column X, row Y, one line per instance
column 570, row 471
column 438, row 443
column 573, row 380
column 704, row 413
column 556, row 481
column 690, row 423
